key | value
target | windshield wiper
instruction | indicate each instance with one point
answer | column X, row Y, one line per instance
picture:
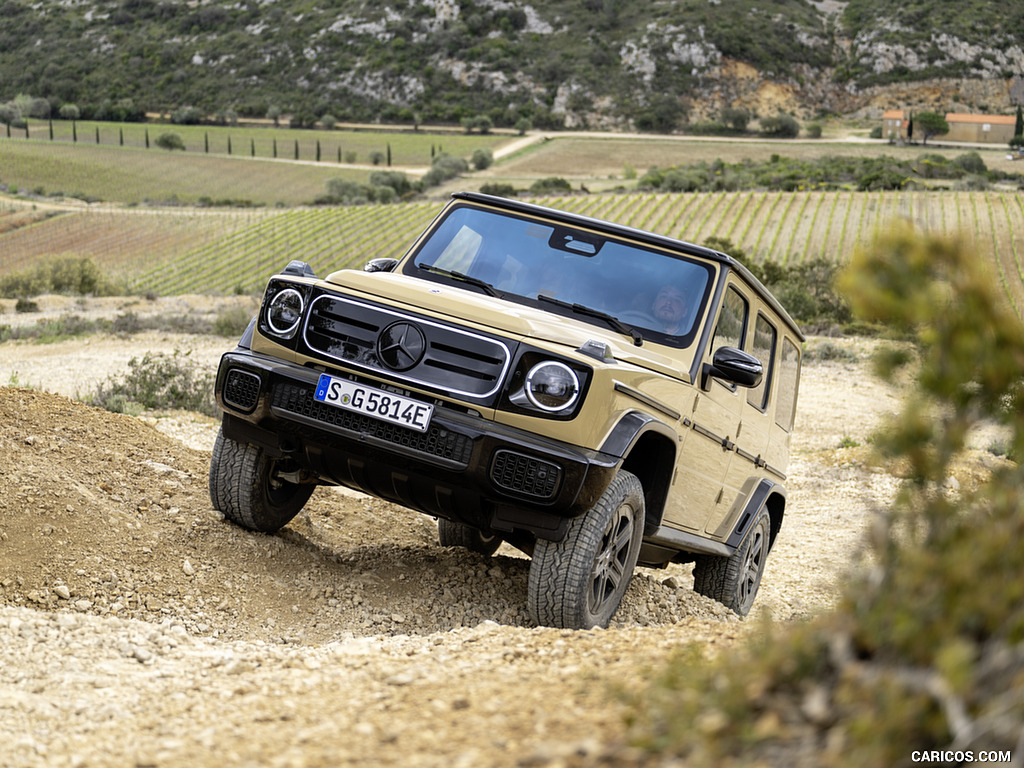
column 481, row 284
column 583, row 309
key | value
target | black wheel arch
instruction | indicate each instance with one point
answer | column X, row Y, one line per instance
column 647, row 447
column 767, row 494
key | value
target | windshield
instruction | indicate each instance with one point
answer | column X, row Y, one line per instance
column 660, row 294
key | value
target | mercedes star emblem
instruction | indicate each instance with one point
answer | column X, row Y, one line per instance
column 401, row 345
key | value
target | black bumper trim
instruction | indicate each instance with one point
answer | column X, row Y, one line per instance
column 446, row 472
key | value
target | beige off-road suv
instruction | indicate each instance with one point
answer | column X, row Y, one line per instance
column 594, row 395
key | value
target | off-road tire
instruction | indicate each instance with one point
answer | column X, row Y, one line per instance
column 734, row 581
column 578, row 582
column 452, row 534
column 243, row 487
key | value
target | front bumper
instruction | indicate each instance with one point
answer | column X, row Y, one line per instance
column 464, row 468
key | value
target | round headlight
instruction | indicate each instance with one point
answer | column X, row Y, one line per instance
column 285, row 311
column 552, row 386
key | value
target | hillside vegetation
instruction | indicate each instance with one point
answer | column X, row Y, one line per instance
column 610, row 63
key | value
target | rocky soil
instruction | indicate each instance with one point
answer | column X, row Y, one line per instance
column 138, row 628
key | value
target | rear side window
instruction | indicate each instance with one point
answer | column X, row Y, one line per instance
column 789, row 377
column 763, row 349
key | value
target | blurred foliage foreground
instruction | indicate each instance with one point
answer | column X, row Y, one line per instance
column 923, row 661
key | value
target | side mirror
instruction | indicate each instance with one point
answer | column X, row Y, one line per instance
column 734, row 366
column 380, row 265
column 299, row 269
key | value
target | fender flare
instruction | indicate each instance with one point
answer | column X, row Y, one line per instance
column 631, row 426
column 766, row 493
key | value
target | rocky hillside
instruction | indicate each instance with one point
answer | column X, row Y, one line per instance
column 573, row 63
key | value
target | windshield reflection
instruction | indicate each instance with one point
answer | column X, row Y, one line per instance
column 659, row 293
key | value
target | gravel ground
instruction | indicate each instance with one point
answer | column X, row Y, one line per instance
column 138, row 628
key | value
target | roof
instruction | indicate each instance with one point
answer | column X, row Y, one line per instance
column 954, row 117
column 892, row 114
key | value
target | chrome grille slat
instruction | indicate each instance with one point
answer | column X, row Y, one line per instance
column 455, row 360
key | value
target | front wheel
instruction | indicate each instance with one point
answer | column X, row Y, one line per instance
column 579, row 582
column 734, row 581
column 247, row 487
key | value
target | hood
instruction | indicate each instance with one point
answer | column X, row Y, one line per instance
column 507, row 318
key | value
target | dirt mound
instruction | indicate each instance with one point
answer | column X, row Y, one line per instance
column 140, row 628
column 102, row 514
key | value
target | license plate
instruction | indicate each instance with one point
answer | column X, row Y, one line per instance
column 374, row 402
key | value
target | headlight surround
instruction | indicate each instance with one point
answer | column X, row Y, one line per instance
column 552, row 386
column 284, row 312
column 543, row 384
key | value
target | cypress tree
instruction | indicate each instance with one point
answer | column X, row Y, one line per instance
column 1018, row 128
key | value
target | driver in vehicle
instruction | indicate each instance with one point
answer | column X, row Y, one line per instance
column 670, row 309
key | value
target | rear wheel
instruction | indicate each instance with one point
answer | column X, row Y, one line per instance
column 247, row 486
column 579, row 582
column 734, row 581
column 452, row 534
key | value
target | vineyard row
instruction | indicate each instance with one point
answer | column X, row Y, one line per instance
column 223, row 252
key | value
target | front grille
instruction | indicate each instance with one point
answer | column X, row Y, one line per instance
column 437, row 441
column 525, row 474
column 242, row 389
column 453, row 360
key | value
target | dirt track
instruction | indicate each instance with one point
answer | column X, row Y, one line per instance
column 139, row 628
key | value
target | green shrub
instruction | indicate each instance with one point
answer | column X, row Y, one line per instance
column 444, row 168
column 780, row 126
column 498, row 189
column 829, row 351
column 970, row 162
column 55, row 329
column 65, row 275
column 883, row 178
column 160, row 381
column 482, row 159
column 397, row 180
column 232, row 322
column 552, row 185
column 170, row 142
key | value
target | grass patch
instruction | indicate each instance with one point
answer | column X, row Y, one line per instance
column 230, row 323
column 138, row 176
column 134, row 174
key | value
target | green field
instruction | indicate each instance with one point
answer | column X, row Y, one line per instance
column 171, row 252
column 261, row 168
